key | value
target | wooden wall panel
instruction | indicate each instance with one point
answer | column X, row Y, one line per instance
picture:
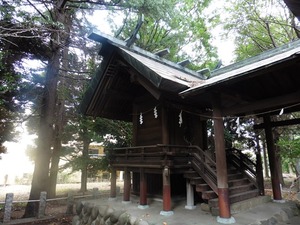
column 190, row 131
column 149, row 132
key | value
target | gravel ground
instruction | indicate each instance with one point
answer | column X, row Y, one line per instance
column 21, row 192
column 57, row 209
column 54, row 208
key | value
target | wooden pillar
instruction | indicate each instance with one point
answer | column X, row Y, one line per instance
column 166, row 193
column 221, row 164
column 272, row 159
column 143, row 190
column 127, row 186
column 259, row 168
column 113, row 184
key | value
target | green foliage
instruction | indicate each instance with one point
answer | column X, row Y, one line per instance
column 9, row 88
column 18, row 41
column 258, row 26
column 182, row 28
column 289, row 151
column 109, row 132
column 290, row 148
column 157, row 8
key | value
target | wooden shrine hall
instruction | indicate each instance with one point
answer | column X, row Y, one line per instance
column 169, row 106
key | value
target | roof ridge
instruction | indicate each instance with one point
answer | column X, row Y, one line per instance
column 262, row 56
column 100, row 37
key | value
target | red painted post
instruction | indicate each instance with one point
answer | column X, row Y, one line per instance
column 272, row 159
column 127, row 185
column 166, row 190
column 143, row 188
column 113, row 184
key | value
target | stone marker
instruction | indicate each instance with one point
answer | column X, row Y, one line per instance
column 42, row 204
column 7, row 208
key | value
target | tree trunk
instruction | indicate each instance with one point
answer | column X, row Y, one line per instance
column 278, row 157
column 40, row 179
column 85, row 155
column 59, row 125
column 54, row 165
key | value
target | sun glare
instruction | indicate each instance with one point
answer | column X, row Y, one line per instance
column 15, row 164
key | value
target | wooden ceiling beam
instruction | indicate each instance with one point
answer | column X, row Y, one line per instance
column 235, row 97
column 278, row 123
column 264, row 105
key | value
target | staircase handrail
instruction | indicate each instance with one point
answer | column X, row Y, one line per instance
column 164, row 154
column 243, row 163
column 205, row 166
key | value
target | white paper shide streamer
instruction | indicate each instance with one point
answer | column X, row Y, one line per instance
column 155, row 112
column 180, row 119
column 141, row 118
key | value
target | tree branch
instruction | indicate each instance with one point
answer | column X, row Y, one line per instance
column 42, row 15
column 73, row 78
column 269, row 34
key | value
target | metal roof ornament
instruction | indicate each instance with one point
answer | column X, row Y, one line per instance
column 162, row 52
